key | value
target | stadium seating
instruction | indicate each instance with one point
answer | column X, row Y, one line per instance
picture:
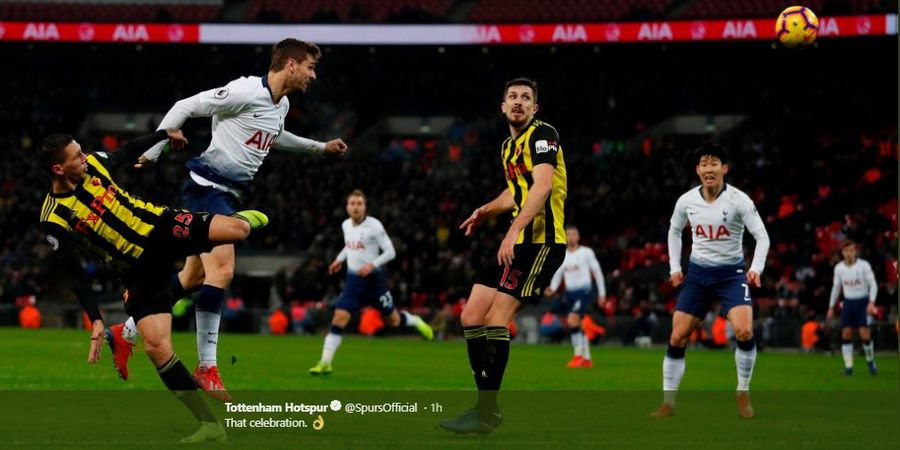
column 173, row 11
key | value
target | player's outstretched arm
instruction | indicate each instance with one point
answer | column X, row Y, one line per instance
column 290, row 142
column 65, row 260
column 503, row 203
column 130, row 152
column 230, row 99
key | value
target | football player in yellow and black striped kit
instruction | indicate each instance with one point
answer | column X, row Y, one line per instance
column 88, row 210
column 529, row 255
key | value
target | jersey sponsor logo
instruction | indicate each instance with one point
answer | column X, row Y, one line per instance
column 221, row 93
column 261, row 142
column 54, row 243
column 707, row 232
column 356, row 245
column 514, row 170
column 854, row 282
column 544, row 146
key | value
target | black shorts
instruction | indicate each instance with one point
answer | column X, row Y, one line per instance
column 530, row 273
column 178, row 234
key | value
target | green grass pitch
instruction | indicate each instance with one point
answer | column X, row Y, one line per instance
column 802, row 401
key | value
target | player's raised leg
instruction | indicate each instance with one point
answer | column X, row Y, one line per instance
column 397, row 318
column 683, row 324
column 741, row 318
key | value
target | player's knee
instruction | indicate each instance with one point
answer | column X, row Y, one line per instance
column 394, row 320
column 241, row 229
column 471, row 318
column 679, row 339
column 743, row 334
column 496, row 318
column 341, row 318
column 157, row 349
column 572, row 321
column 223, row 274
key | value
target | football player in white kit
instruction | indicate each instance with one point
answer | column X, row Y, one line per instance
column 247, row 121
column 717, row 214
column 856, row 278
column 577, row 269
column 367, row 248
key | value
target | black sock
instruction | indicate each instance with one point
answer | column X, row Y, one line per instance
column 176, row 377
column 496, row 355
column 475, row 344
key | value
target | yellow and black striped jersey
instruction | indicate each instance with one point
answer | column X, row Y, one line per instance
column 100, row 216
column 537, row 144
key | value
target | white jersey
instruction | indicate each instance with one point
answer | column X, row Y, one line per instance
column 245, row 125
column 577, row 269
column 717, row 229
column 857, row 281
column 365, row 243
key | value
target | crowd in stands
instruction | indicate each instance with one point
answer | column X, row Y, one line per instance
column 818, row 157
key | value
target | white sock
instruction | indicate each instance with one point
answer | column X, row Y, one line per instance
column 585, row 346
column 576, row 343
column 332, row 342
column 129, row 331
column 411, row 319
column 673, row 371
column 744, row 362
column 869, row 349
column 207, row 337
column 847, row 350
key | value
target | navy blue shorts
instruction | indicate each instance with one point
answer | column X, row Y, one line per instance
column 578, row 301
column 195, row 197
column 704, row 285
column 366, row 291
column 853, row 313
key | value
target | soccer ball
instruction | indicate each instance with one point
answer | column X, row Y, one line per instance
column 797, row 26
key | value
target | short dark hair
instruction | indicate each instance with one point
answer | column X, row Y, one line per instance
column 710, row 148
column 293, row 48
column 571, row 227
column 847, row 243
column 522, row 81
column 357, row 193
column 51, row 151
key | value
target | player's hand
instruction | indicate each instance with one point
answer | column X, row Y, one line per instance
column 474, row 221
column 548, row 292
column 870, row 310
column 829, row 315
column 336, row 146
column 753, row 279
column 676, row 278
column 507, row 252
column 98, row 338
column 143, row 162
column 335, row 267
column 365, row 270
column 601, row 301
column 177, row 139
